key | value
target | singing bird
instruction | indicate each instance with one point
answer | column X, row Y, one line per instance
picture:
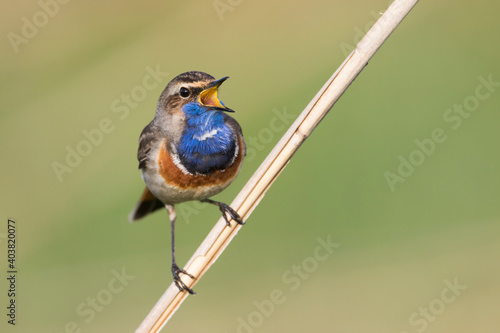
column 192, row 150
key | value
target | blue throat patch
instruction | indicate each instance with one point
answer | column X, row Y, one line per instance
column 207, row 143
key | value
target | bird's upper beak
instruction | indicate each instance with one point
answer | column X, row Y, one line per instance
column 208, row 97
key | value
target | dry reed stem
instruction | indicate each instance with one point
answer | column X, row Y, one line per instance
column 254, row 190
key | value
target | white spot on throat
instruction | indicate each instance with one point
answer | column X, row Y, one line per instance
column 206, row 135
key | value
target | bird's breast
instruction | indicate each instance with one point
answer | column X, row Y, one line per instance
column 205, row 150
column 175, row 173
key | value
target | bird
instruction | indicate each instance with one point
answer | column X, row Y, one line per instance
column 191, row 150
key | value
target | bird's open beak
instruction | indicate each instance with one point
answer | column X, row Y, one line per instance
column 208, row 97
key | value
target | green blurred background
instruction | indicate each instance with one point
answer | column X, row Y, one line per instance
column 399, row 250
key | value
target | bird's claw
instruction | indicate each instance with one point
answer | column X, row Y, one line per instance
column 177, row 279
column 227, row 210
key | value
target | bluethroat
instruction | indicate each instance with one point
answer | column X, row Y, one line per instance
column 192, row 150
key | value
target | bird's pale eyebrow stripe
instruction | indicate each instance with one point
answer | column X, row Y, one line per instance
column 197, row 84
column 206, row 135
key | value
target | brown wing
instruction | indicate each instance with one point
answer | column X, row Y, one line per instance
column 148, row 203
column 146, row 141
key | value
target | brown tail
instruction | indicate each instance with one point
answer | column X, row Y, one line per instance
column 148, row 203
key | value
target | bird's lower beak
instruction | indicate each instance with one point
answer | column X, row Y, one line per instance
column 208, row 97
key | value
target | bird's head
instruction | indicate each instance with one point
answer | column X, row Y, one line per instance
column 191, row 94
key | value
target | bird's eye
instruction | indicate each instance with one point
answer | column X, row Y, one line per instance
column 184, row 92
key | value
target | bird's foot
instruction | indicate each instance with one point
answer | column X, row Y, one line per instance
column 177, row 279
column 226, row 211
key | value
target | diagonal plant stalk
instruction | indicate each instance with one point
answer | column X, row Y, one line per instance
column 254, row 190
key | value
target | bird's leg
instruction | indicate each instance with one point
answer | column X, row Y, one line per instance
column 226, row 210
column 175, row 269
